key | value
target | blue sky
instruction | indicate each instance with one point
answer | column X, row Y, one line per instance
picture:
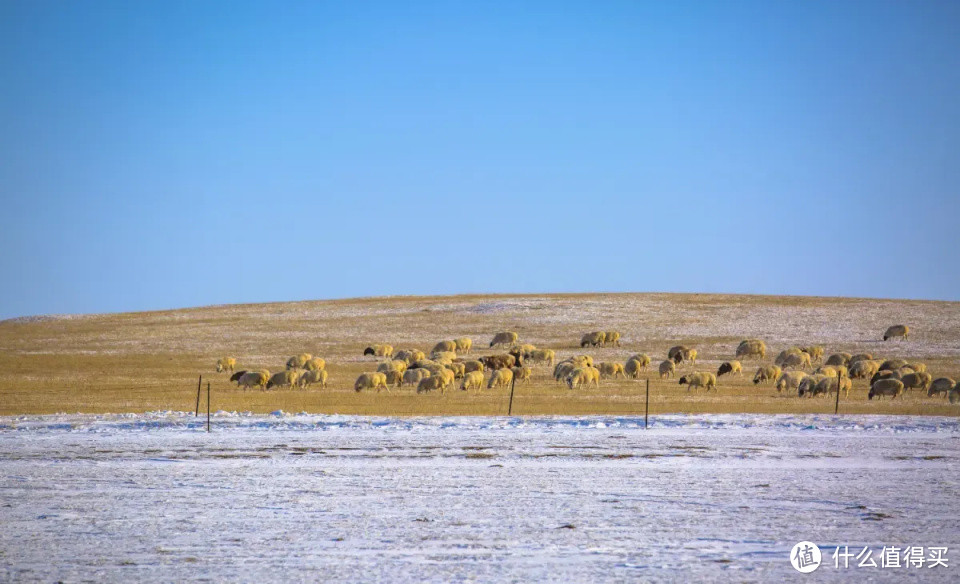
column 167, row 154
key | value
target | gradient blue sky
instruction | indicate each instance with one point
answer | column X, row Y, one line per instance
column 169, row 154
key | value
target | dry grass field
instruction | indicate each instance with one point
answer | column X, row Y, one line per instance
column 150, row 361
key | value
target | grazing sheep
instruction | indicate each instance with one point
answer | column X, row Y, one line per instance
column 562, row 369
column 941, row 385
column 700, row 379
column 393, row 377
column 546, row 356
column 464, row 344
column 504, row 339
column 643, row 359
column 674, row 351
column 459, row 369
column 829, row 385
column 751, row 348
column 522, row 374
column 583, row 360
column 411, row 356
column 500, row 378
column 915, row 380
column 885, row 374
column 379, row 350
column 524, row 349
column 254, row 379
column 782, row 356
column 790, row 381
column 472, row 380
column 767, row 373
column 897, row 330
column 954, row 396
column 236, row 376
column 808, row 385
column 288, row 378
column 433, row 367
column 448, row 377
column 799, row 360
column 445, row 347
column 443, row 356
column 315, row 364
column 314, row 376
column 583, row 376
column 919, row 367
column 395, row 365
column 430, row 384
column 667, row 369
column 886, row 387
column 861, row 357
column 864, row 368
column 499, row 361
column 832, row 371
column 226, row 364
column 594, row 339
column 632, row 368
column 371, row 380
column 730, row 367
column 815, row 352
column 612, row 338
column 413, row 376
column 891, row 364
column 613, row 370
column 690, row 355
column 469, row 366
column 298, row 361
column 838, row 359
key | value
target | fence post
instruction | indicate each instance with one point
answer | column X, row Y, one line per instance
column 510, row 405
column 208, row 406
column 199, row 382
column 836, row 407
column 646, row 407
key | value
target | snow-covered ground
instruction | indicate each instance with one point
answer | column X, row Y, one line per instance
column 153, row 497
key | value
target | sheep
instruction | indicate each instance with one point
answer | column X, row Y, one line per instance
column 690, row 355
column 674, row 351
column 236, row 376
column 832, row 371
column 464, row 344
column 413, row 376
column 314, row 376
column 500, row 378
column 594, row 339
column 941, row 385
column 632, row 368
column 730, row 367
column 226, row 364
column 782, row 356
column 667, row 369
column 829, row 385
column 444, row 347
column 864, row 368
column 472, row 380
column 583, row 376
column 562, row 369
column 297, row 361
column 699, row 379
column 443, row 356
column 919, row 367
column 915, row 380
column 886, row 387
column 430, row 384
column 838, row 359
column 954, row 396
column 499, row 361
column 799, row 360
column 315, row 364
column 897, row 330
column 288, row 378
column 861, row 357
column 546, row 356
column 473, row 365
column 583, row 360
column 448, row 377
column 395, row 365
column 379, row 350
column 885, row 374
column 432, row 366
column 790, row 381
column 613, row 370
column 643, row 359
column 411, row 356
column 522, row 374
column 815, row 352
column 891, row 364
column 459, row 369
column 371, row 380
column 254, row 379
column 767, row 373
column 751, row 348
column 612, row 338
column 504, row 339
column 808, row 385
column 394, row 377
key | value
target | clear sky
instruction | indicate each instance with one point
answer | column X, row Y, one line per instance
column 169, row 154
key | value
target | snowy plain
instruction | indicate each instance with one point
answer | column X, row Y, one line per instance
column 153, row 497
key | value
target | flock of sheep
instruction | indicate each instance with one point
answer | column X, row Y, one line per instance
column 449, row 363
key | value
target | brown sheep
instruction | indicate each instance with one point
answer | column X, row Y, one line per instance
column 504, row 339
column 767, row 373
column 886, row 387
column 700, row 379
column 594, row 339
column 499, row 361
column 898, row 330
column 751, row 348
column 942, row 385
column 839, row 359
column 413, row 376
column 613, row 370
column 430, row 384
column 445, row 347
column 298, row 361
column 919, row 381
